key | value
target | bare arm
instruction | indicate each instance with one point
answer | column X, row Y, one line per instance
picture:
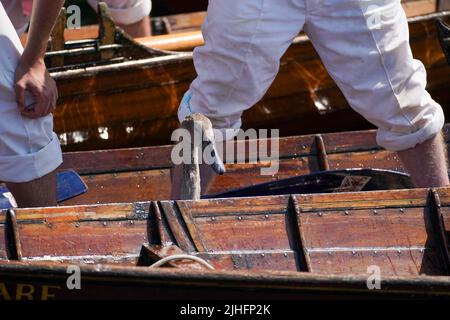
column 31, row 73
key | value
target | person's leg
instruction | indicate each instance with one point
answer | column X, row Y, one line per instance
column 29, row 149
column 37, row 193
column 365, row 47
column 427, row 162
column 130, row 15
column 244, row 42
column 139, row 29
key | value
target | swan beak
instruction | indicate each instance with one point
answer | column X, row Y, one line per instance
column 217, row 163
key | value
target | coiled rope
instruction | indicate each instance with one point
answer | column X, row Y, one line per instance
column 165, row 260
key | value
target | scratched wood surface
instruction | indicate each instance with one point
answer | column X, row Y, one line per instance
column 113, row 233
column 398, row 231
column 99, row 109
column 143, row 174
column 399, row 241
column 340, row 234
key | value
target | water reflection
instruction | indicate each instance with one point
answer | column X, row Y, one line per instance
column 103, row 133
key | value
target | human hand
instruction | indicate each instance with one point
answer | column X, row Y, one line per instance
column 32, row 76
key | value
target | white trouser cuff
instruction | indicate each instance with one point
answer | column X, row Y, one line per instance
column 395, row 141
column 220, row 134
column 126, row 11
column 29, row 167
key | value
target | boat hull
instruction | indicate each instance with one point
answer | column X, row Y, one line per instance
column 278, row 247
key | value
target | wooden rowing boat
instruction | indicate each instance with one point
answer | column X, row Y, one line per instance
column 278, row 247
column 293, row 246
column 108, row 100
column 142, row 174
column 262, row 247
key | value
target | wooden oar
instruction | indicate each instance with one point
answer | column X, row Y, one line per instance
column 350, row 180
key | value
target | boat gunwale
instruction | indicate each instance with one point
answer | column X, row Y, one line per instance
column 243, row 280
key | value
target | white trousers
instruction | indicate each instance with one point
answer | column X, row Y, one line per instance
column 29, row 149
column 364, row 45
column 126, row 11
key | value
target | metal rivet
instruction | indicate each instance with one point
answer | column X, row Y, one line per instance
column 266, row 216
column 402, row 210
column 262, row 255
column 77, row 225
column 375, row 212
column 375, row 252
column 131, row 222
column 285, row 254
column 422, row 250
column 239, row 218
column 320, row 214
column 303, row 147
column 353, row 252
column 346, row 212
column 399, row 251
column 104, row 224
column 330, row 253
column 213, row 219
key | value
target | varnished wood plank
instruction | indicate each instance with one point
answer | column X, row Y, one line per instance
column 389, row 262
column 283, row 260
column 363, row 200
column 398, row 241
column 113, row 233
column 212, row 224
column 178, row 226
column 364, row 228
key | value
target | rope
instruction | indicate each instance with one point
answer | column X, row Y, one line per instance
column 181, row 257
